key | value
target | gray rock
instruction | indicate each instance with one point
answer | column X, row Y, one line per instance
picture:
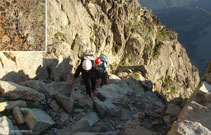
column 189, row 128
column 76, row 95
column 12, row 90
column 173, row 109
column 85, row 101
column 64, row 117
column 37, row 120
column 208, row 96
column 52, row 88
column 125, row 114
column 205, row 88
column 141, row 115
column 167, row 120
column 82, row 126
column 86, row 133
column 112, row 133
column 113, row 79
column 54, row 106
column 11, row 104
column 106, row 107
column 18, row 115
column 91, row 117
column 134, row 128
column 65, row 102
column 196, row 112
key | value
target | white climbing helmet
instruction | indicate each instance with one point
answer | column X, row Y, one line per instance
column 87, row 64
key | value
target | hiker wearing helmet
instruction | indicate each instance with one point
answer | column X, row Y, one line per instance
column 102, row 63
column 90, row 75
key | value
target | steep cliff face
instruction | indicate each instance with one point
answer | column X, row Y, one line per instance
column 130, row 35
column 136, row 44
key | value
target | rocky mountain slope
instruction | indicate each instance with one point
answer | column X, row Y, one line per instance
column 130, row 35
column 193, row 26
column 155, row 71
column 192, row 22
column 22, row 25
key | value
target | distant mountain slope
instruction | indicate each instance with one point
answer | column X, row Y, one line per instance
column 205, row 4
column 159, row 4
column 193, row 26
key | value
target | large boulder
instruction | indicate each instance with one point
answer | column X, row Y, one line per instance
column 37, row 120
column 91, row 117
column 205, row 88
column 65, row 102
column 18, row 115
column 173, row 109
column 189, row 128
column 52, row 88
column 13, row 91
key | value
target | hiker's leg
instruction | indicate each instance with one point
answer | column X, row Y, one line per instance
column 87, row 85
column 93, row 82
column 103, row 79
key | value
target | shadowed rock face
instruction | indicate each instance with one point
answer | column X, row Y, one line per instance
column 22, row 25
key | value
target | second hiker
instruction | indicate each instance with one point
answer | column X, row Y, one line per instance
column 103, row 65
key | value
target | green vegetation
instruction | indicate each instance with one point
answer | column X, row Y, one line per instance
column 168, row 88
column 136, row 76
column 162, row 33
column 156, row 49
column 59, row 36
column 134, row 23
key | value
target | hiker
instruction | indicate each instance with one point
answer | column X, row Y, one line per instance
column 90, row 74
column 103, row 65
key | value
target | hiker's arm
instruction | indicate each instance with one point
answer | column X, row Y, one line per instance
column 77, row 73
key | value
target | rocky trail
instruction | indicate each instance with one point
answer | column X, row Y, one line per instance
column 130, row 108
column 22, row 25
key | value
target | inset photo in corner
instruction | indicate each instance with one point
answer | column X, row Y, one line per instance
column 22, row 25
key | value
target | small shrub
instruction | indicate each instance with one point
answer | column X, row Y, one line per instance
column 156, row 49
column 59, row 36
column 168, row 88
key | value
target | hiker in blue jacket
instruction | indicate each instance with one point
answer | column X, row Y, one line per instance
column 102, row 63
